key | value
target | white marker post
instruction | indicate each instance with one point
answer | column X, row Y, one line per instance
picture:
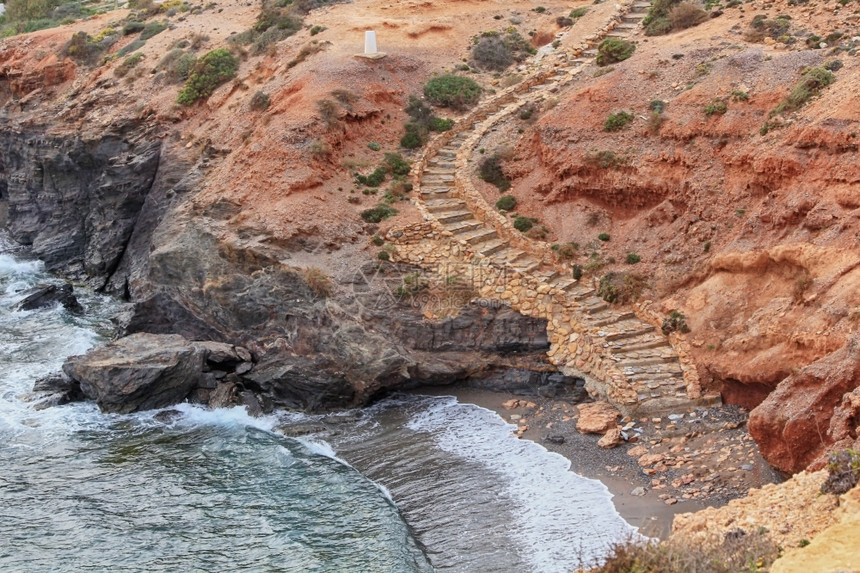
column 370, row 52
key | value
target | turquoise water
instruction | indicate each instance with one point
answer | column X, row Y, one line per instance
column 412, row 484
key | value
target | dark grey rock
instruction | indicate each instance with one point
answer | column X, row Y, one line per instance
column 54, row 390
column 554, row 438
column 42, row 296
column 138, row 372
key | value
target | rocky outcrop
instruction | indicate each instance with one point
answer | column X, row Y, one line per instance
column 138, row 372
column 811, row 412
column 42, row 296
column 75, row 202
column 54, row 390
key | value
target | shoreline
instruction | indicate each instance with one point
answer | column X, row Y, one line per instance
column 653, row 510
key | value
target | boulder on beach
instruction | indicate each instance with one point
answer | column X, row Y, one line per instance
column 611, row 439
column 138, row 372
column 597, row 418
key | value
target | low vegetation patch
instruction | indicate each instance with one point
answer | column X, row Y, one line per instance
column 621, row 288
column 276, row 21
column 675, row 322
column 378, row 213
column 506, row 203
column 617, row 121
column 716, row 107
column 421, row 122
column 524, row 224
column 127, row 65
column 83, row 48
column 777, row 29
column 496, row 51
column 737, row 551
column 260, row 101
column 612, row 50
column 606, row 159
column 210, row 71
column 667, row 15
column 177, row 65
column 490, row 170
column 452, row 91
column 813, row 80
column 843, row 472
column 319, row 282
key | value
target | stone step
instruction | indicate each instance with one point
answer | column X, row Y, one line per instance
column 454, row 216
column 442, row 205
column 625, row 26
column 645, row 361
column 493, row 247
column 620, row 335
column 441, row 163
column 440, row 171
column 547, row 275
column 564, row 283
column 580, row 61
column 647, row 344
column 621, row 35
column 669, row 377
column 507, row 256
column 448, row 154
column 479, row 236
column 640, row 6
column 463, row 226
column 613, row 318
column 633, row 17
column 436, row 192
column 582, row 292
column 590, row 53
column 594, row 305
column 437, row 178
column 525, row 265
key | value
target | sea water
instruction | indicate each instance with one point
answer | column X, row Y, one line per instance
column 411, row 484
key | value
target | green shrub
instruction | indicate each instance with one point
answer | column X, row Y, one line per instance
column 716, row 107
column 657, row 105
column 606, row 159
column 132, row 27
column 490, row 170
column 378, row 213
column 738, row 95
column 577, row 272
column 566, row 251
column 523, row 224
column 412, row 139
column 843, row 472
column 506, row 203
column 686, row 15
column 130, row 47
column 260, row 101
column 377, row 240
column 577, row 13
column 177, row 65
column 811, row 83
column 617, row 121
column 210, row 71
column 603, row 237
column 439, row 124
column 383, row 255
column 152, row 29
column 620, row 288
column 633, row 258
column 496, row 52
column 127, row 65
column 675, row 322
column 658, row 26
column 82, row 48
column 612, row 50
column 375, row 179
column 396, row 165
column 374, row 146
column 316, row 30
column 457, row 92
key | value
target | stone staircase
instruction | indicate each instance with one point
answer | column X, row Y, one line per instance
column 621, row 353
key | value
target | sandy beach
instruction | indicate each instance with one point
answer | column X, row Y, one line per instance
column 723, row 467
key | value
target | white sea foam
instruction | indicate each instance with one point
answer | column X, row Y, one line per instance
column 562, row 520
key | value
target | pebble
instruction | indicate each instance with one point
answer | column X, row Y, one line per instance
column 747, row 467
column 639, row 491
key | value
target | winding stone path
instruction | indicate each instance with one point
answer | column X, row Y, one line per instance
column 621, row 353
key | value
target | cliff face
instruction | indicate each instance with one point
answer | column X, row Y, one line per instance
column 751, row 233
